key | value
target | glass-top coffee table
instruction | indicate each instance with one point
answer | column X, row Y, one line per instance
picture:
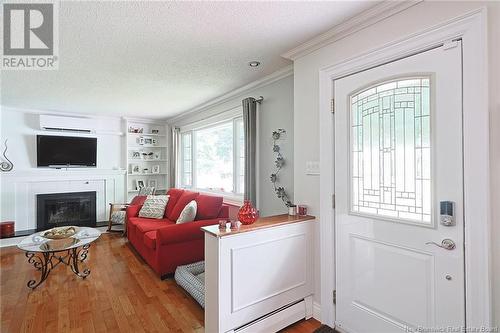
column 45, row 254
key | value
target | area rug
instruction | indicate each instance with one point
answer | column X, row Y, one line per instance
column 324, row 329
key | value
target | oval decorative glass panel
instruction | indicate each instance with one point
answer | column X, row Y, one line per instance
column 391, row 150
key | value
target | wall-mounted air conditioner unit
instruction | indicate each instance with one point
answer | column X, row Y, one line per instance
column 66, row 124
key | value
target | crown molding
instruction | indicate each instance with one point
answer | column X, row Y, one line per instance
column 145, row 120
column 273, row 77
column 365, row 19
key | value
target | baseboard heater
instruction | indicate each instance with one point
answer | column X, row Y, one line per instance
column 276, row 320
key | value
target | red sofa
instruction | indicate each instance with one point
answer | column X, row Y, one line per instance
column 165, row 245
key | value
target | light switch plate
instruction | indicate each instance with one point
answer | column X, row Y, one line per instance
column 312, row 168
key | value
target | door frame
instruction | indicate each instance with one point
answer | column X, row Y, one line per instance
column 471, row 28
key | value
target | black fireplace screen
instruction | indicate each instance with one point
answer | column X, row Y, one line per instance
column 62, row 209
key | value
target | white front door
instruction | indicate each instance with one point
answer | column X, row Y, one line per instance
column 398, row 173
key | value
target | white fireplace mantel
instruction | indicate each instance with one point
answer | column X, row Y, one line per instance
column 19, row 189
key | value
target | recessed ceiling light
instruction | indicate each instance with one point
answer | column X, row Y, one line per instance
column 254, row 64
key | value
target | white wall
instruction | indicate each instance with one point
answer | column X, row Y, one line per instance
column 276, row 111
column 19, row 186
column 20, row 127
column 306, row 99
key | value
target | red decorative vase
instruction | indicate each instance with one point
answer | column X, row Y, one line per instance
column 248, row 214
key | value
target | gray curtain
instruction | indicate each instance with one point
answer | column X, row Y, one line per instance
column 174, row 156
column 250, row 129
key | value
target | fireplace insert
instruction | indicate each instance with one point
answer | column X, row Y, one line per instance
column 62, row 209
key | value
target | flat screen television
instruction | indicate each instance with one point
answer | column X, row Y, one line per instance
column 66, row 151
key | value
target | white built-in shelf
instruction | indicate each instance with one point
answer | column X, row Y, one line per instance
column 137, row 191
column 144, row 146
column 159, row 149
column 145, row 134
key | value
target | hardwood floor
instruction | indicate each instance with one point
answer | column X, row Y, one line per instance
column 122, row 294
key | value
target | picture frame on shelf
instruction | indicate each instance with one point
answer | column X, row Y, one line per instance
column 139, row 183
column 135, row 169
column 153, row 183
column 156, row 169
column 140, row 141
column 148, row 141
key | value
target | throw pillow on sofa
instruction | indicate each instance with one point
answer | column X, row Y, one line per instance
column 185, row 198
column 188, row 213
column 154, row 206
column 174, row 194
column 208, row 207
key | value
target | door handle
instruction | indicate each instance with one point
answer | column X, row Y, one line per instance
column 447, row 244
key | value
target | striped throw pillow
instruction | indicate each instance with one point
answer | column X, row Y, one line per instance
column 154, row 206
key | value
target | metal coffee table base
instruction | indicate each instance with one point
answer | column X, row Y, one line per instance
column 47, row 261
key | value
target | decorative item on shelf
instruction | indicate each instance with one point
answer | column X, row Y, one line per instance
column 153, row 183
column 147, row 155
column 148, row 141
column 7, row 229
column 133, row 129
column 235, row 224
column 140, row 141
column 146, row 170
column 292, row 210
column 135, row 169
column 136, row 155
column 156, row 169
column 248, row 214
column 7, row 165
column 157, row 156
column 279, row 163
column 302, row 210
column 139, row 183
column 222, row 224
column 155, row 131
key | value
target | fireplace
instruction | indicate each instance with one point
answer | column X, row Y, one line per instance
column 62, row 209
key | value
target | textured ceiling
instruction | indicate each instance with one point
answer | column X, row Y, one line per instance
column 157, row 59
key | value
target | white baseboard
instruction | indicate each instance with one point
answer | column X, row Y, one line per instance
column 317, row 311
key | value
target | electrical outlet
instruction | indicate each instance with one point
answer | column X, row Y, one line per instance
column 312, row 168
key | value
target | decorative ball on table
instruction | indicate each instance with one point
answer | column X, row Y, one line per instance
column 248, row 214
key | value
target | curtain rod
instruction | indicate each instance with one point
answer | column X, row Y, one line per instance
column 259, row 100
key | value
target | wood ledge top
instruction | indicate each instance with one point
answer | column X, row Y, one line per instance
column 261, row 223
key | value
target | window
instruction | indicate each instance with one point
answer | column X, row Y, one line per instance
column 213, row 157
column 187, row 160
column 391, row 150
